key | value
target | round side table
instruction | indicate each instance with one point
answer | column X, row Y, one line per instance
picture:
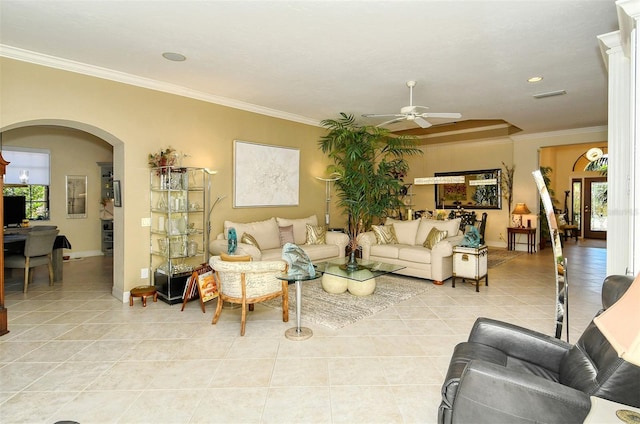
column 143, row 292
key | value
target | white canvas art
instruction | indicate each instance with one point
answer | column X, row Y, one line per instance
column 265, row 175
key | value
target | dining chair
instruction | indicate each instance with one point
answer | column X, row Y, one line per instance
column 38, row 250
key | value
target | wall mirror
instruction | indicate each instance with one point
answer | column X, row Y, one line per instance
column 76, row 196
column 469, row 189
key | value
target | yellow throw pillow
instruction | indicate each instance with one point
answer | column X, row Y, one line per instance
column 384, row 234
column 434, row 237
column 249, row 239
column 316, row 234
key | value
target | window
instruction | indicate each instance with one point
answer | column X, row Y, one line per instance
column 37, row 199
column 28, row 175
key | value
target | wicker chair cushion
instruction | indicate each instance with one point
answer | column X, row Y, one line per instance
column 259, row 277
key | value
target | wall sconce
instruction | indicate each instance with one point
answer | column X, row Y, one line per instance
column 24, row 176
column 520, row 209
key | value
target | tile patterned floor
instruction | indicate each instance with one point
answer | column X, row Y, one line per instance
column 75, row 353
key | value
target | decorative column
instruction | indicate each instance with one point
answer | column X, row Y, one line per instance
column 620, row 53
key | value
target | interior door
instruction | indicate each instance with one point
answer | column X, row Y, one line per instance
column 595, row 208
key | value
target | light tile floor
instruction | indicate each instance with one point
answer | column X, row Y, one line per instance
column 76, row 353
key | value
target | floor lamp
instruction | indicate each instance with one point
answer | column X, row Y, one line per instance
column 327, row 194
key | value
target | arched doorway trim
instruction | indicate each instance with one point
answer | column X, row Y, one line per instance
column 117, row 289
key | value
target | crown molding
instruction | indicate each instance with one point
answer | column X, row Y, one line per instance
column 561, row 133
column 121, row 77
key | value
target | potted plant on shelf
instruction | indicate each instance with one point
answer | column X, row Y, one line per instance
column 368, row 160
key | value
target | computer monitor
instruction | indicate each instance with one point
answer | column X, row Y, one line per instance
column 15, row 210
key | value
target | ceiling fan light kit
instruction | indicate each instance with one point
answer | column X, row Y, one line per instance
column 412, row 113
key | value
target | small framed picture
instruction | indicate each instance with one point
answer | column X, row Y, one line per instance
column 117, row 198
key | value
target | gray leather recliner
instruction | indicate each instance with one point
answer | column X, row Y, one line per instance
column 509, row 374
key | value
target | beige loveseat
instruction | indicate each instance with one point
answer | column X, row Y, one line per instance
column 267, row 238
column 408, row 250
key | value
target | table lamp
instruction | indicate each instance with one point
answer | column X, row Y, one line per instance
column 520, row 209
column 620, row 324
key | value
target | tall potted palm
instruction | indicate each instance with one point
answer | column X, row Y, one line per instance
column 368, row 160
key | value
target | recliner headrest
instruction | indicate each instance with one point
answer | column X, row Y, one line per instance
column 613, row 288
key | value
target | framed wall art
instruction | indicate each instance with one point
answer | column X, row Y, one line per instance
column 476, row 190
column 265, row 175
column 76, row 196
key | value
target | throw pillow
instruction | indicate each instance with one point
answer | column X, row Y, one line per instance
column 316, row 234
column 406, row 231
column 235, row 258
column 561, row 220
column 286, row 235
column 434, row 237
column 299, row 226
column 384, row 234
column 250, row 240
column 265, row 232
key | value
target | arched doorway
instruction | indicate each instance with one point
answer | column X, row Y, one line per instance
column 117, row 146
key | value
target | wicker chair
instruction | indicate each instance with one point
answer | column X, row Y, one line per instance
column 247, row 283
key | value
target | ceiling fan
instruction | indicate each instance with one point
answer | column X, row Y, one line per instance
column 412, row 113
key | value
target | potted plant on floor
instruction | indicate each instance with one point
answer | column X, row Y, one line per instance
column 545, row 235
column 368, row 160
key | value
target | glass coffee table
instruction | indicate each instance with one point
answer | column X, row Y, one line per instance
column 336, row 278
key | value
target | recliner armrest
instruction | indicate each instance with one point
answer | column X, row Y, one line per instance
column 490, row 393
column 520, row 342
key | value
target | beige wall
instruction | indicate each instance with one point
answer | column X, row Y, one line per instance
column 462, row 156
column 562, row 159
column 139, row 121
column 72, row 153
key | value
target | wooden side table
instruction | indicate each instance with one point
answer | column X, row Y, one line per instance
column 143, row 292
column 531, row 238
column 470, row 263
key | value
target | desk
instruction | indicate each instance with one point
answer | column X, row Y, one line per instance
column 14, row 241
column 531, row 238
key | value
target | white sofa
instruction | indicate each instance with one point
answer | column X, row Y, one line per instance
column 434, row 264
column 270, row 238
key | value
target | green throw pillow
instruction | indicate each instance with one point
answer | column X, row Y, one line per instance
column 250, row 240
column 434, row 237
column 316, row 234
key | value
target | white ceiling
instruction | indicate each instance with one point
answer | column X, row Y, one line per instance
column 311, row 60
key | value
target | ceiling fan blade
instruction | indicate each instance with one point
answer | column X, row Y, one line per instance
column 422, row 122
column 384, row 115
column 441, row 115
column 393, row 121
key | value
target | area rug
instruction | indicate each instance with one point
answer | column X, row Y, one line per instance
column 338, row 310
column 498, row 256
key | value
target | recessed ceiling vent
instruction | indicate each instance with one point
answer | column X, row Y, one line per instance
column 549, row 94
